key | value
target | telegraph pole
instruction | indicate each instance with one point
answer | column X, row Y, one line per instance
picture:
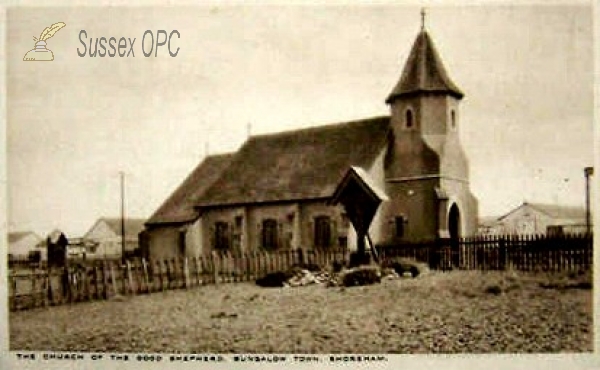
column 588, row 171
column 122, row 178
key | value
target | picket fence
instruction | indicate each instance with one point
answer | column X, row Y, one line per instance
column 99, row 280
column 570, row 252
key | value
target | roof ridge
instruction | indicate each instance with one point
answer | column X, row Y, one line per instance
column 318, row 127
column 296, row 164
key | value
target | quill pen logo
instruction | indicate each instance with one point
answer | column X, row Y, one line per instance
column 40, row 52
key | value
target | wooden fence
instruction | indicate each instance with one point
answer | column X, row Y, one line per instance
column 35, row 287
column 38, row 287
column 518, row 252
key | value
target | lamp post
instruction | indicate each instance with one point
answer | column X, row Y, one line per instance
column 588, row 171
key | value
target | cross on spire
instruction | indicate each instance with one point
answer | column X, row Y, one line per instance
column 423, row 14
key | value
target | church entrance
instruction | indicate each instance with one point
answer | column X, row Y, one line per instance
column 454, row 222
column 454, row 230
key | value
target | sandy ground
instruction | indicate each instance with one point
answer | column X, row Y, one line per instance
column 456, row 312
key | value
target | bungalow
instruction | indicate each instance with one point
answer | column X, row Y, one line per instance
column 537, row 218
column 22, row 244
column 104, row 239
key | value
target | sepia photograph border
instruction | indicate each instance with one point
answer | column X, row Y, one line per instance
column 9, row 360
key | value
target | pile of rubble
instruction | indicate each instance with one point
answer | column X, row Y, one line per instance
column 297, row 277
column 303, row 277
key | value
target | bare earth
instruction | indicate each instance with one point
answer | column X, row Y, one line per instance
column 456, row 312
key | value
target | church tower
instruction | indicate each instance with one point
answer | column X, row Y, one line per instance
column 427, row 175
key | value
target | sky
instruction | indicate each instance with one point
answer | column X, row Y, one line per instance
column 73, row 124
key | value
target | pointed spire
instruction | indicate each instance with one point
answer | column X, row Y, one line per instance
column 424, row 70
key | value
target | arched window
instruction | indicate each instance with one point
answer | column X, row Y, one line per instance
column 409, row 118
column 453, row 118
column 269, row 234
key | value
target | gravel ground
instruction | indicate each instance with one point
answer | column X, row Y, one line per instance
column 456, row 312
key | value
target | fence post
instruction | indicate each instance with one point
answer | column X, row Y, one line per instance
column 104, row 280
column 197, row 267
column 300, row 256
column 502, row 247
column 96, row 283
column 145, row 274
column 129, row 278
column 248, row 265
column 186, row 273
column 159, row 269
column 50, row 294
column 113, row 279
column 215, row 267
column 177, row 272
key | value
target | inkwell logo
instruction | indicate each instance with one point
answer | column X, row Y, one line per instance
column 40, row 53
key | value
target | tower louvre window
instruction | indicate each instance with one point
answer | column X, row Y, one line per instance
column 409, row 118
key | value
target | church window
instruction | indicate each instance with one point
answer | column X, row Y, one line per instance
column 322, row 237
column 269, row 234
column 409, row 118
column 181, row 242
column 221, row 236
column 400, row 220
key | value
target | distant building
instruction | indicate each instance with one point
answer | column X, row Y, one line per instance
column 79, row 248
column 275, row 191
column 22, row 244
column 537, row 218
column 103, row 240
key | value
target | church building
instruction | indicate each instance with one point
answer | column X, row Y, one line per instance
column 275, row 192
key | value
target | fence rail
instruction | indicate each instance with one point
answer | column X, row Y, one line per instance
column 519, row 252
column 98, row 280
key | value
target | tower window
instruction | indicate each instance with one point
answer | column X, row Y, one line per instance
column 453, row 118
column 409, row 118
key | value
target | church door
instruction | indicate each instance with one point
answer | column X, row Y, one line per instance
column 454, row 229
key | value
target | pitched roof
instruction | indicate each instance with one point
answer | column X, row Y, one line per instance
column 18, row 235
column 300, row 164
column 562, row 212
column 424, row 72
column 179, row 207
column 133, row 226
column 555, row 211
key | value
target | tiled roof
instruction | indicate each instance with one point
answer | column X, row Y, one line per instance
column 296, row 165
column 179, row 207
